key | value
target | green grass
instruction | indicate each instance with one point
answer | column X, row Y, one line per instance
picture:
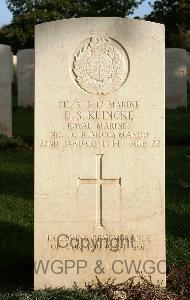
column 16, row 214
column 16, row 217
column 14, row 102
column 177, row 205
column 23, row 124
column 178, row 127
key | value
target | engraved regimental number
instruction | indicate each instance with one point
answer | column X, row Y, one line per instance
column 99, row 181
column 100, row 65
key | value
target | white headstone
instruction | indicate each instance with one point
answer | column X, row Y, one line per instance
column 12, row 80
column 15, row 69
column 176, row 78
column 99, row 144
column 14, row 60
column 5, row 90
column 25, row 73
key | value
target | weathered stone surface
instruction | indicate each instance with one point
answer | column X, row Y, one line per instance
column 99, row 144
column 176, row 78
column 5, row 90
column 25, row 71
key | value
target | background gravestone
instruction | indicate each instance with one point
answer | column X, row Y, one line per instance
column 14, row 60
column 5, row 90
column 176, row 78
column 25, row 73
column 14, row 68
column 14, row 71
column 188, row 67
column 99, row 150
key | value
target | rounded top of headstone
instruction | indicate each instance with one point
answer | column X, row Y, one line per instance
column 96, row 50
column 176, row 49
column 101, row 20
column 5, row 46
column 25, row 52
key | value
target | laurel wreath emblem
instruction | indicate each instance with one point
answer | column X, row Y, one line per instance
column 100, row 66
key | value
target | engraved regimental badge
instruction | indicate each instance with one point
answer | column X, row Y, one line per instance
column 100, row 65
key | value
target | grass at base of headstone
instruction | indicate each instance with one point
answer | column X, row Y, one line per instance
column 23, row 124
column 16, row 217
column 139, row 288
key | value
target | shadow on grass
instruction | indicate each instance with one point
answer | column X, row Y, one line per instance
column 23, row 124
column 177, row 125
column 177, row 205
column 177, row 224
column 17, row 174
column 19, row 186
column 16, row 257
column 16, row 220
